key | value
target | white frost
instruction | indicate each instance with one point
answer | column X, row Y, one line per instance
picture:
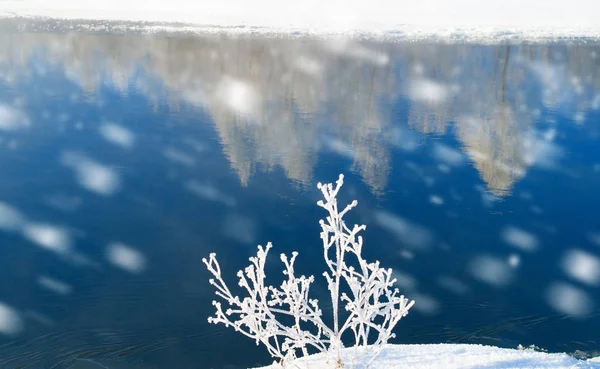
column 365, row 291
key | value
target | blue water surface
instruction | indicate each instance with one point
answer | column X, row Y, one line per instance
column 126, row 159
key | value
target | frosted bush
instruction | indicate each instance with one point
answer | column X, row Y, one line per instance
column 289, row 323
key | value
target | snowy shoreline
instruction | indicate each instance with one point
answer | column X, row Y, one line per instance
column 484, row 36
column 454, row 356
column 537, row 20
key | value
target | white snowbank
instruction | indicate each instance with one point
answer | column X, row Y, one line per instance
column 454, row 356
column 531, row 18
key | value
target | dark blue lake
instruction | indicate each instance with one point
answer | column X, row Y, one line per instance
column 126, row 159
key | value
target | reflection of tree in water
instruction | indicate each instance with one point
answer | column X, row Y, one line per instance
column 272, row 100
column 494, row 138
column 288, row 89
column 493, row 95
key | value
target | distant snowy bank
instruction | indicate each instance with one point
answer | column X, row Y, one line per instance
column 449, row 356
column 470, row 19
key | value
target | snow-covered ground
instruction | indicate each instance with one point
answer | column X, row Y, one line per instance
column 530, row 18
column 448, row 356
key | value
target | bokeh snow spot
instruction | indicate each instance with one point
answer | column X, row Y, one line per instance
column 209, row 192
column 12, row 119
column 126, row 257
column 339, row 147
column 54, row 285
column 239, row 96
column 453, row 285
column 63, row 202
column 198, row 146
column 91, row 175
column 11, row 322
column 541, row 152
column 514, row 260
column 179, row 157
column 582, row 266
column 492, row 271
column 429, row 91
column 519, row 238
column 409, row 233
column 117, row 135
column 448, row 155
column 596, row 102
column 444, row 168
column 404, row 139
column 10, row 218
column 406, row 254
column 425, row 304
column 405, row 281
column 48, row 236
column 240, row 228
column 594, row 238
column 536, row 209
column 569, row 299
column 436, row 200
column 309, row 66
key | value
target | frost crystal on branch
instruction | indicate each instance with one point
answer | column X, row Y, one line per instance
column 288, row 322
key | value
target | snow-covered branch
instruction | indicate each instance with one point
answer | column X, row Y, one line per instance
column 372, row 306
